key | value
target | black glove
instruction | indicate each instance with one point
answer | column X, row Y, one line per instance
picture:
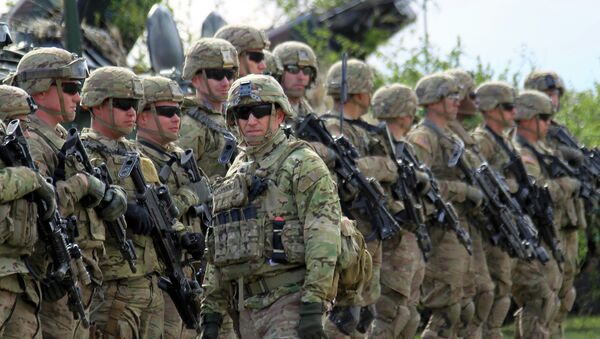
column 211, row 322
column 114, row 203
column 367, row 315
column 52, row 290
column 138, row 219
column 193, row 243
column 311, row 321
column 46, row 193
column 345, row 318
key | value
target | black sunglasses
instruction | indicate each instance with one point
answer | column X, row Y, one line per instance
column 219, row 74
column 125, row 104
column 507, row 106
column 258, row 111
column 71, row 88
column 257, row 57
column 545, row 117
column 294, row 69
column 168, row 111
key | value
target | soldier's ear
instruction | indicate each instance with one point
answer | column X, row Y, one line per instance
column 197, row 80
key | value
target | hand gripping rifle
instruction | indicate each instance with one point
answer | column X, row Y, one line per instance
column 157, row 202
column 57, row 234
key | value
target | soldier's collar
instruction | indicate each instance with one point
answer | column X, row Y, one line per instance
column 262, row 152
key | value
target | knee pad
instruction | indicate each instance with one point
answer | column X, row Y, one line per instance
column 483, row 306
column 567, row 301
column 498, row 312
column 410, row 329
column 467, row 312
column 443, row 322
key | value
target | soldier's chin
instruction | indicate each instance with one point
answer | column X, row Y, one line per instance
column 294, row 93
column 69, row 116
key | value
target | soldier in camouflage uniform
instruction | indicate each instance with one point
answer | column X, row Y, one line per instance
column 19, row 292
column 128, row 305
column 211, row 64
column 443, row 286
column 53, row 77
column 279, row 213
column 157, row 130
column 535, row 285
column 299, row 73
column 403, row 267
column 274, row 67
column 495, row 101
column 479, row 287
column 572, row 213
column 249, row 43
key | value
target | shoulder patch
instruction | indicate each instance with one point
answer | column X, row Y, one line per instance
column 422, row 141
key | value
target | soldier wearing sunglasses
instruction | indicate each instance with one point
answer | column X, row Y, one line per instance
column 19, row 300
column 212, row 65
column 129, row 305
column 536, row 286
column 299, row 73
column 249, row 43
column 157, row 130
column 53, row 76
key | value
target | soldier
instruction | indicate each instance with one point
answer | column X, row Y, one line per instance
column 274, row 67
column 299, row 73
column 157, row 130
column 19, row 291
column 449, row 261
column 403, row 265
column 572, row 213
column 249, row 43
column 279, row 211
column 128, row 305
column 479, row 287
column 211, row 64
column 496, row 102
column 374, row 161
column 53, row 78
column 536, row 286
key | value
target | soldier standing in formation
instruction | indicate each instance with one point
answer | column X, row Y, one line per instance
column 250, row 44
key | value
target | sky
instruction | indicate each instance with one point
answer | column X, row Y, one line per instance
column 550, row 34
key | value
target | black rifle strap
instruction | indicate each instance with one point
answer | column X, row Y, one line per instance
column 173, row 157
column 204, row 119
column 357, row 122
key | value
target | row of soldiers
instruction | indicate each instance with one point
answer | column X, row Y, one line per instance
column 304, row 238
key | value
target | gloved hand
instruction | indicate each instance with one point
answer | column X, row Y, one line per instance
column 571, row 185
column 52, row 290
column 95, row 192
column 311, row 321
column 138, row 219
column 46, row 193
column 345, row 318
column 211, row 322
column 114, row 203
column 367, row 315
column 193, row 243
column 423, row 182
column 474, row 195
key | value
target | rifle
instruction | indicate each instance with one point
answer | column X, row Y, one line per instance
column 163, row 213
column 405, row 189
column 504, row 219
column 74, row 147
column 369, row 201
column 188, row 163
column 57, row 234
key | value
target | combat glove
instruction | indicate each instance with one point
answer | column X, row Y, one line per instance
column 474, row 195
column 114, row 203
column 367, row 315
column 311, row 321
column 95, row 192
column 193, row 243
column 46, row 193
column 423, row 182
column 138, row 219
column 52, row 290
column 211, row 322
column 345, row 318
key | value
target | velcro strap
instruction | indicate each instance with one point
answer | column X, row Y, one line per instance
column 268, row 284
column 234, row 215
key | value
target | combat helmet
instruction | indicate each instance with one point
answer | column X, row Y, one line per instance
column 14, row 102
column 435, row 87
column 531, row 103
column 298, row 54
column 359, row 78
column 245, row 39
column 108, row 83
column 493, row 93
column 42, row 67
column 157, row 89
column 466, row 86
column 274, row 66
column 394, row 101
column 544, row 81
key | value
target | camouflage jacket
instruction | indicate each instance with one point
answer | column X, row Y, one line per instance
column 302, row 109
column 113, row 153
column 495, row 154
column 206, row 142
column 300, row 192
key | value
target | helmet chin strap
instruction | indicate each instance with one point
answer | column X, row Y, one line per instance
column 210, row 95
column 163, row 134
column 63, row 112
column 262, row 138
column 111, row 125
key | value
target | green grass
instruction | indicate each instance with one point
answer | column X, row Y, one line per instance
column 577, row 328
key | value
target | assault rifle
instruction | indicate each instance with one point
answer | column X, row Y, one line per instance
column 445, row 213
column 157, row 202
column 504, row 220
column 57, row 234
column 188, row 163
column 405, row 189
column 369, row 201
column 117, row 229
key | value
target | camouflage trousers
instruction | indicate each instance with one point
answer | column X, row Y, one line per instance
column 442, row 289
column 567, row 293
column 19, row 311
column 58, row 321
column 279, row 320
column 129, row 308
column 500, row 265
column 402, row 273
column 535, row 290
column 478, row 289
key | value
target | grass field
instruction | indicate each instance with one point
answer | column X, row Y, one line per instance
column 577, row 328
